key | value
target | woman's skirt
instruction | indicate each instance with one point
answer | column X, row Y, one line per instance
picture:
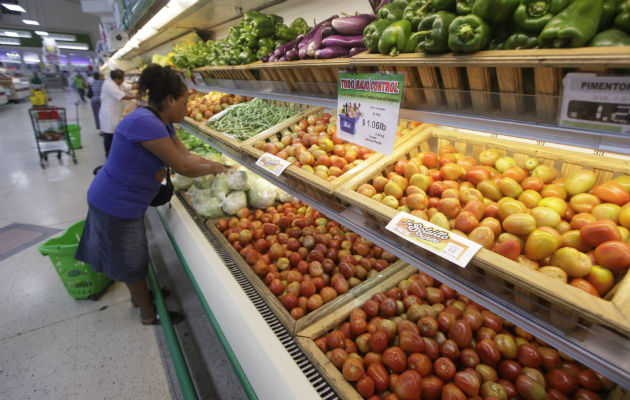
column 114, row 246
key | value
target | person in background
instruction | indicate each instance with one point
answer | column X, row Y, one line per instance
column 111, row 106
column 95, row 102
column 114, row 240
column 79, row 85
column 35, row 79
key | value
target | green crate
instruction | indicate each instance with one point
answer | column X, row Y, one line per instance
column 74, row 131
column 80, row 280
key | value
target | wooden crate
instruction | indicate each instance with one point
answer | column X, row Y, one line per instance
column 231, row 72
column 236, row 144
column 306, row 340
column 460, row 81
column 612, row 311
column 274, row 303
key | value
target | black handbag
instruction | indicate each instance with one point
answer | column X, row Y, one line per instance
column 165, row 193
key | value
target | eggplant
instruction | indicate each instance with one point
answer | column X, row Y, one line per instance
column 292, row 55
column 303, row 45
column 272, row 58
column 356, row 50
column 264, row 59
column 283, row 58
column 316, row 41
column 279, row 52
column 343, row 41
column 352, row 25
column 331, row 52
column 328, row 31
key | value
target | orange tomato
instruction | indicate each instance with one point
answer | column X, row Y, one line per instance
column 399, row 167
column 516, row 173
column 533, row 183
column 614, row 255
column 611, row 192
column 598, row 232
column 584, row 285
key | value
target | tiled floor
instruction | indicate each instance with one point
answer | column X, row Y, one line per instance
column 51, row 346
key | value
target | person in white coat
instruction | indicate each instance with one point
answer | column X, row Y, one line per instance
column 111, row 106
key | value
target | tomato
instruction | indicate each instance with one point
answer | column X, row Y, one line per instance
column 408, row 386
column 477, row 174
column 554, row 394
column 411, row 342
column 509, row 387
column 444, row 368
column 468, row 382
column 461, row 333
column 420, row 363
column 589, row 380
column 598, row 232
column 614, row 255
column 432, row 388
column 510, row 370
column 336, row 340
column 431, row 348
column 488, row 352
column 528, row 356
column 585, row 394
column 485, row 333
column 529, row 389
column 449, row 349
column 365, row 386
column 338, row 357
column 395, row 359
column 493, row 389
column 353, row 369
column 445, row 321
column 584, row 285
column 469, row 358
column 379, row 374
column 611, row 192
column 579, row 182
column 561, row 380
column 506, row 346
column 451, row 392
column 550, row 358
column 486, row 372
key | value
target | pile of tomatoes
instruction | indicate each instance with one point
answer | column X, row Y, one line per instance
column 422, row 340
column 568, row 228
column 305, row 259
column 200, row 106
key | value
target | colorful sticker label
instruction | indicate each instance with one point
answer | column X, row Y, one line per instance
column 273, row 164
column 368, row 106
column 433, row 238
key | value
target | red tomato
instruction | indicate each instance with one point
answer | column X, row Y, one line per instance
column 353, row 369
column 432, row 388
column 561, row 380
column 395, row 359
column 611, row 192
column 379, row 374
column 614, row 255
column 444, row 368
column 365, row 386
column 408, row 386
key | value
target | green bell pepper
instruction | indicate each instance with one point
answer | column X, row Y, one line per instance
column 417, row 10
column 373, row 32
column 247, row 40
column 433, row 31
column 622, row 20
column 609, row 11
column 278, row 43
column 275, row 19
column 394, row 38
column 234, row 33
column 533, row 15
column 391, row 12
column 574, row 26
column 258, row 24
column 520, row 41
column 263, row 51
column 610, row 37
column 265, row 42
column 246, row 56
column 299, row 25
column 495, row 11
column 468, row 33
column 464, row 7
column 496, row 44
column 283, row 32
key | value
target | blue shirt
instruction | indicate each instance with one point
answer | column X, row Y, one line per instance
column 127, row 183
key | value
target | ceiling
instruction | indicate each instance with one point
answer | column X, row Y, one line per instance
column 55, row 15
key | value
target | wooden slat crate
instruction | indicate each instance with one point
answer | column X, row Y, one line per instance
column 306, row 340
column 468, row 81
column 291, row 324
column 232, row 72
column 612, row 311
column 236, row 144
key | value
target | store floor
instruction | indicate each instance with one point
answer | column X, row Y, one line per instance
column 52, row 346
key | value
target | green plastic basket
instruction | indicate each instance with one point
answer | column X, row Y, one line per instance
column 74, row 131
column 80, row 280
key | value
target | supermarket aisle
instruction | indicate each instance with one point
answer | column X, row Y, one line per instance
column 51, row 346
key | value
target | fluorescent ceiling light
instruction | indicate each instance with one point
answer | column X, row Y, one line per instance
column 62, row 38
column 13, row 7
column 10, row 42
column 41, row 33
column 30, row 22
column 12, row 33
column 73, row 46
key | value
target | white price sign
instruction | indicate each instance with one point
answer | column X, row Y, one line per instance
column 273, row 164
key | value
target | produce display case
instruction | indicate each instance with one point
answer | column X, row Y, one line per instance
column 3, row 97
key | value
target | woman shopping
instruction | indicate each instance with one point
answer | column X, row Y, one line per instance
column 114, row 240
column 111, row 106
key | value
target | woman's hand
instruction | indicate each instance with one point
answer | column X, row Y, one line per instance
column 218, row 168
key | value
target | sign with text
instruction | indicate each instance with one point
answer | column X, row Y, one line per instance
column 437, row 240
column 272, row 163
column 367, row 106
column 596, row 102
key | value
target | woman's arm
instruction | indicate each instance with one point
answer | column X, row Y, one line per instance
column 167, row 150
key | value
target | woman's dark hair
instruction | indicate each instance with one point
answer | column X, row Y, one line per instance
column 96, row 76
column 117, row 74
column 160, row 82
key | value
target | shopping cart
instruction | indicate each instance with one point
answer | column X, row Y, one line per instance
column 51, row 133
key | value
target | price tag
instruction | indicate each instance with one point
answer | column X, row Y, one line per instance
column 273, row 164
column 367, row 107
column 198, row 77
column 440, row 241
column 596, row 102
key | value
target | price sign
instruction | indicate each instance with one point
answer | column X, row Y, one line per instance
column 433, row 238
column 596, row 102
column 367, row 107
column 272, row 163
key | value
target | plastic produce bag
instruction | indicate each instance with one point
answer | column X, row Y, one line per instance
column 283, row 197
column 204, row 182
column 234, row 202
column 205, row 204
column 238, row 180
column 227, row 161
column 261, row 194
column 181, row 182
column 219, row 186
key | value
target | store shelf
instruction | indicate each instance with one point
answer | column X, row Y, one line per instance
column 599, row 348
column 601, row 142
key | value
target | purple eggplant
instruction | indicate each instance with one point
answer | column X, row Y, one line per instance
column 279, row 52
column 264, row 59
column 356, row 50
column 328, row 31
column 317, row 29
column 343, row 41
column 292, row 55
column 316, row 41
column 283, row 58
column 272, row 58
column 352, row 25
column 331, row 52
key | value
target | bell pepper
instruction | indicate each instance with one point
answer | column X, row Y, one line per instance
column 275, row 19
column 468, row 33
column 610, row 37
column 394, row 38
column 464, row 7
column 609, row 11
column 391, row 12
column 283, row 32
column 263, row 51
column 299, row 25
column 622, row 20
column 417, row 10
column 433, row 31
column 496, row 44
column 247, row 40
column 533, row 15
column 520, row 40
column 234, row 33
column 265, row 42
column 574, row 26
column 373, row 32
column 246, row 56
column 495, row 11
column 258, row 24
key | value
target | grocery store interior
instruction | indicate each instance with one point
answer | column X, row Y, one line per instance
column 420, row 199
